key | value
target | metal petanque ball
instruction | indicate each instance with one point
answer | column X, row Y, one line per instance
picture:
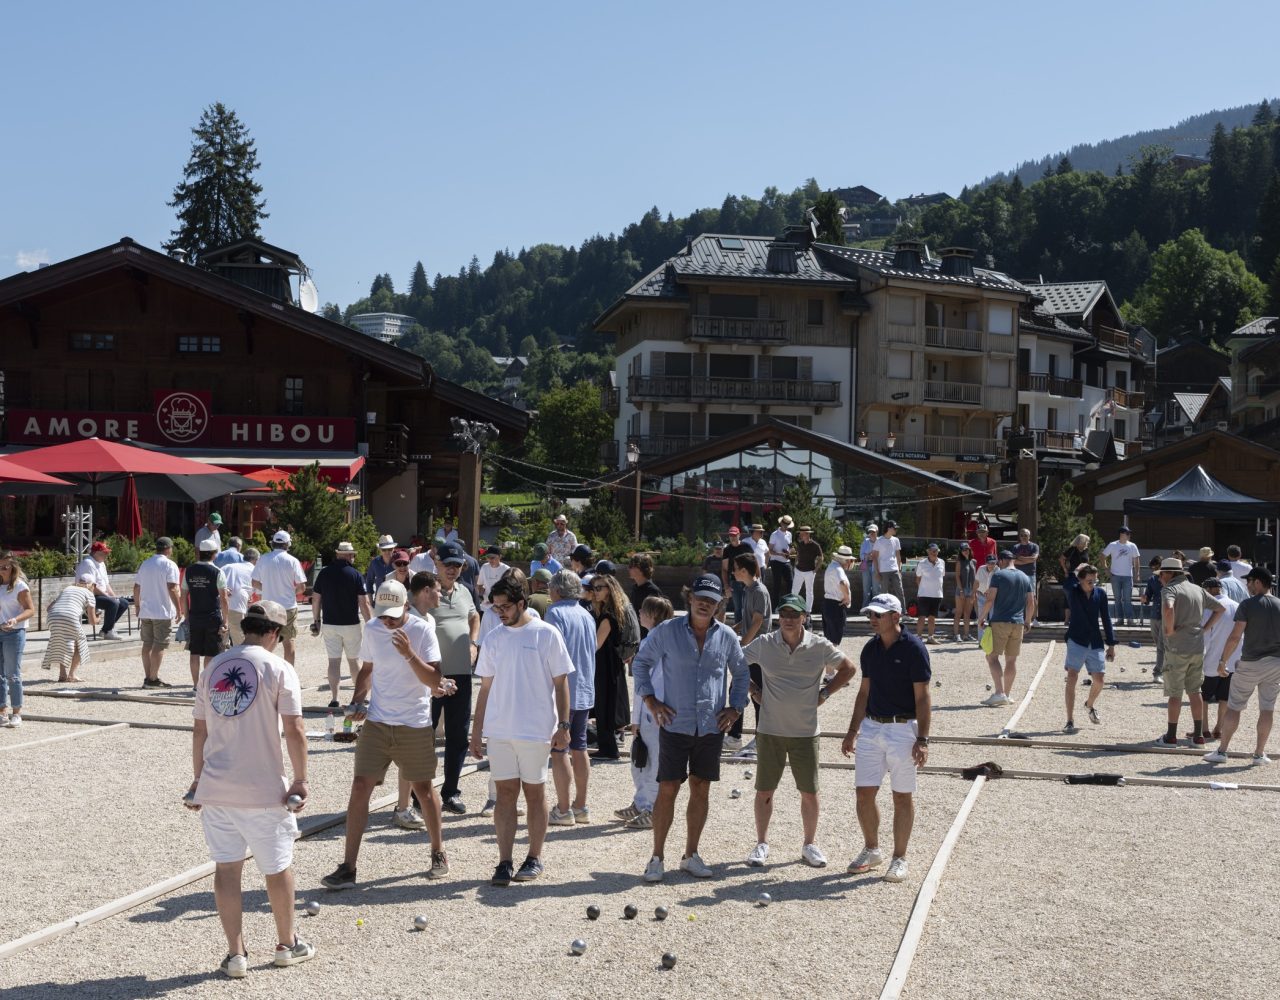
column 578, row 947
column 669, row 960
column 593, row 912
column 660, row 913
column 736, row 793
column 419, row 923
column 764, row 899
column 294, row 803
column 629, row 911
column 747, row 774
column 312, row 908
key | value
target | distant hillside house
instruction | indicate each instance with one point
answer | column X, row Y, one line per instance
column 860, row 195
column 387, row 327
column 925, row 200
column 1255, row 378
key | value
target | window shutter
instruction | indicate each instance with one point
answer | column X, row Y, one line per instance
column 804, row 369
column 657, row 364
column 699, row 365
column 655, row 423
column 764, row 368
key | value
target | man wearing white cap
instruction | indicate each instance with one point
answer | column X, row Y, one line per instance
column 381, row 565
column 836, row 595
column 205, row 588
column 278, row 577
column 399, row 669
column 338, row 605
column 780, row 560
column 889, row 732
column 886, row 555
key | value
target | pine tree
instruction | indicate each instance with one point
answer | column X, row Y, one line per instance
column 418, row 286
column 1264, row 115
column 1266, row 240
column 1064, row 166
column 1273, row 290
column 827, row 211
column 218, row 200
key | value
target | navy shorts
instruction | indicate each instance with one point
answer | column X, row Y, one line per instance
column 205, row 637
column 928, row 607
column 680, row 755
column 577, row 730
column 1216, row 690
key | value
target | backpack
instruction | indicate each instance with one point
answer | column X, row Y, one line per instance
column 629, row 635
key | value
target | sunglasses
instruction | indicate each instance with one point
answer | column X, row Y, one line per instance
column 600, row 587
column 875, row 616
column 401, row 563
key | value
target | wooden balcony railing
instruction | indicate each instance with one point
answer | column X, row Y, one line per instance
column 946, row 445
column 1118, row 396
column 389, row 445
column 954, row 338
column 609, row 400
column 726, row 329
column 696, row 389
column 953, row 392
column 1051, row 440
column 1116, row 340
column 1054, row 385
column 661, row 445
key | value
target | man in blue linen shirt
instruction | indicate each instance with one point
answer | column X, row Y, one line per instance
column 578, row 629
column 694, row 653
column 1085, row 640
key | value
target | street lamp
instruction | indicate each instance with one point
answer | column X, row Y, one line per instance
column 862, row 439
column 890, row 440
column 633, row 454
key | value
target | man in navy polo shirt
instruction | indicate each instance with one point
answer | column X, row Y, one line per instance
column 892, row 715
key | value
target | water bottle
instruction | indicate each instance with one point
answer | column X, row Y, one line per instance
column 346, row 725
column 328, row 726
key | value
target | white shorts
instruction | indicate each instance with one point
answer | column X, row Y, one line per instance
column 885, row 747
column 269, row 833
column 339, row 639
column 523, row 759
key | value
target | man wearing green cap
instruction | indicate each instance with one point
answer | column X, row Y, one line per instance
column 541, row 560
column 540, row 600
column 211, row 528
column 787, row 667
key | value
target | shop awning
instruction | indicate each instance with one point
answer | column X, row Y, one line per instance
column 338, row 468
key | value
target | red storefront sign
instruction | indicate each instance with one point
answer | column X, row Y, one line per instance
column 183, row 419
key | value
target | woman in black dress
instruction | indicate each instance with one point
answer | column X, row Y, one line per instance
column 613, row 707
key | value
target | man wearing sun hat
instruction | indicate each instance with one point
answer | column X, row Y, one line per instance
column 381, row 565
column 780, row 560
column 837, row 594
column 399, row 669
column 339, row 604
column 809, row 557
column 561, row 542
column 1182, row 608
column 278, row 577
column 106, row 600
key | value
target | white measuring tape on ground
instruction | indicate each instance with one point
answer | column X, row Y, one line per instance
column 929, row 888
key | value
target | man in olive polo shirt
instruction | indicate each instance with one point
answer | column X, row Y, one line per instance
column 1182, row 605
column 791, row 663
column 457, row 631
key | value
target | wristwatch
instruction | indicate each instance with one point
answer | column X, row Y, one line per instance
column 564, row 725
column 923, row 739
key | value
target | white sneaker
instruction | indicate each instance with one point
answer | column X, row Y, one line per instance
column 1005, row 700
column 695, row 866
column 582, row 815
column 758, row 856
column 14, row 722
column 520, row 808
column 897, row 870
column 733, row 743
column 487, row 808
column 653, row 870
column 558, row 818
column 1214, row 757
column 408, row 819
column 871, row 857
column 112, row 636
column 813, row 857
column 748, row 752
column 235, row 966
column 1261, row 758
column 991, row 701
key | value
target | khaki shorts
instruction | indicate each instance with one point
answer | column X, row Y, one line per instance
column 411, row 749
column 155, row 631
column 772, row 753
column 1183, row 673
column 1263, row 674
column 234, row 618
column 1006, row 638
column 290, row 630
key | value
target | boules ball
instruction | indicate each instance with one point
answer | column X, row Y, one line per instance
column 419, row 923
column 746, row 774
column 294, row 803
column 660, row 913
column 629, row 911
column 669, row 960
column 578, row 947
column 736, row 793
column 593, row 912
column 764, row 899
column 312, row 908
column 988, row 687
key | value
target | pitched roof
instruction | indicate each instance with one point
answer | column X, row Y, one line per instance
column 1069, row 298
column 1192, row 403
column 1261, row 347
column 1041, row 321
column 709, row 257
column 1263, row 326
column 881, row 262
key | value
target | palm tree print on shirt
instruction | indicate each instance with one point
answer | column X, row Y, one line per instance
column 232, row 687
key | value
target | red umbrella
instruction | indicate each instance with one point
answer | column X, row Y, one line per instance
column 129, row 519
column 12, row 472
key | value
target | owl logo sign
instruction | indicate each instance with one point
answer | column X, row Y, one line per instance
column 182, row 416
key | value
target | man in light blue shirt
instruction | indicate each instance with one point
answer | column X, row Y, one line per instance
column 231, row 554
column 578, row 629
column 695, row 653
column 864, row 561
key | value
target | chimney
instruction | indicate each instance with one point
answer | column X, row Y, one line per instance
column 688, row 246
column 801, row 236
column 782, row 257
column 908, row 255
column 957, row 262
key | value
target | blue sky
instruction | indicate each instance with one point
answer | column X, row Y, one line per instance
column 397, row 132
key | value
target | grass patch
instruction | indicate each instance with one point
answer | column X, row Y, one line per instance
column 509, row 500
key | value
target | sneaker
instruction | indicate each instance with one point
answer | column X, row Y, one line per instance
column 112, row 636
column 14, row 722
column 408, row 819
column 558, row 818
column 897, row 870
column 695, row 866
column 1198, row 740
column 455, row 805
column 653, row 870
column 530, row 870
column 813, row 857
column 487, row 808
column 1166, row 741
column 748, row 752
column 642, row 820
column 1070, row 729
column 629, row 813
column 333, row 705
column 1087, row 682
column 991, row 701
column 1215, row 757
column 1094, row 717
column 439, row 865
column 758, row 856
column 341, row 877
column 733, row 743
column 1258, row 758
column 582, row 815
column 235, row 966
column 520, row 808
column 502, row 874
column 868, row 859
column 300, row 952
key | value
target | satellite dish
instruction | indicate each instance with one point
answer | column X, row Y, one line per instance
column 308, row 296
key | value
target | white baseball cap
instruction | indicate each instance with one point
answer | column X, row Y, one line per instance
column 208, row 545
column 882, row 604
column 390, row 599
column 281, row 538
column 386, row 542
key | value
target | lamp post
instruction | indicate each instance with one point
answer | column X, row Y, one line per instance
column 633, row 463
column 889, row 441
column 862, row 439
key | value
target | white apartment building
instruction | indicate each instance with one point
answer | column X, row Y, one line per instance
column 387, row 327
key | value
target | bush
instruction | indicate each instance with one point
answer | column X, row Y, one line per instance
column 184, row 552
column 678, row 552
column 126, row 556
column 41, row 562
column 604, row 523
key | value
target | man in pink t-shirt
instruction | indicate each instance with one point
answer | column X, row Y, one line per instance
column 245, row 698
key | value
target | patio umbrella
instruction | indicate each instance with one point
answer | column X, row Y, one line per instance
column 129, row 518
column 12, row 472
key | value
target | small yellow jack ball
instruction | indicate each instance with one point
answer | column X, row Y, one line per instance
column 359, row 923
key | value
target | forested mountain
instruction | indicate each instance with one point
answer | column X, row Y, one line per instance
column 1190, row 136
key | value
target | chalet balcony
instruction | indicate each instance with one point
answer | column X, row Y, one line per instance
column 388, row 445
column 737, row 330
column 664, row 445
column 1128, row 398
column 1053, row 385
column 951, row 338
column 953, row 392
column 697, row 389
column 941, row 446
column 609, row 400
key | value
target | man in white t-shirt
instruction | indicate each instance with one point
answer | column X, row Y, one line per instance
column 245, row 699
column 1216, row 689
column 885, row 555
column 399, row 668
column 240, row 591
column 212, row 528
column 1239, row 567
column 523, row 712
column 493, row 570
column 837, row 595
column 423, row 561
column 106, row 600
column 156, row 596
column 930, row 573
column 780, row 561
column 278, row 577
column 1124, row 563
